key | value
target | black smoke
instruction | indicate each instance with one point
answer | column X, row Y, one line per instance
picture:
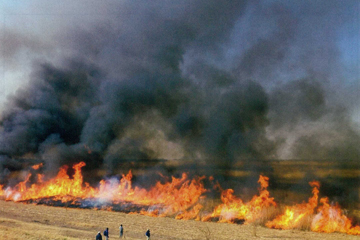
column 212, row 81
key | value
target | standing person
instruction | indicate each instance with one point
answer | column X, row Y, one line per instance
column 98, row 236
column 147, row 234
column 121, row 231
column 106, row 234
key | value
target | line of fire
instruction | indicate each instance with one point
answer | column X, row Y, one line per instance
column 181, row 197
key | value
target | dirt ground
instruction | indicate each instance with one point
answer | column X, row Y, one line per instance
column 28, row 221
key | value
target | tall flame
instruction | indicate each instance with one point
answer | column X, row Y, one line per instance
column 62, row 187
column 293, row 216
column 233, row 208
column 331, row 219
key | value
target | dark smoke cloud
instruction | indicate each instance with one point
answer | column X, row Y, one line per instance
column 297, row 102
column 214, row 81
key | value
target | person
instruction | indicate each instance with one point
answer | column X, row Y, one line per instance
column 121, row 231
column 147, row 234
column 106, row 234
column 98, row 236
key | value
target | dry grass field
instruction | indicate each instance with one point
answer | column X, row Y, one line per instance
column 28, row 221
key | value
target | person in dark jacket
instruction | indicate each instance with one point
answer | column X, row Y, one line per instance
column 121, row 231
column 98, row 236
column 106, row 234
column 147, row 234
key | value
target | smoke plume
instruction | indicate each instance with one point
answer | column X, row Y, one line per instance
column 211, row 81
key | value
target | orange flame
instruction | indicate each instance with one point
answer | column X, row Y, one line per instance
column 60, row 188
column 37, row 166
column 181, row 198
column 331, row 219
column 175, row 196
column 294, row 215
column 233, row 208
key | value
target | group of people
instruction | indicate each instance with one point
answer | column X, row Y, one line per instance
column 121, row 233
column 106, row 235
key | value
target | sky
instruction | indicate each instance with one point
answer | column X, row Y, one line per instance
column 178, row 80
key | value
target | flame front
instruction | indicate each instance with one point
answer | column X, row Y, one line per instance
column 233, row 208
column 182, row 198
column 294, row 215
column 331, row 219
column 62, row 187
column 179, row 196
column 175, row 196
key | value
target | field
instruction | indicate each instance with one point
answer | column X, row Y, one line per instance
column 288, row 184
column 28, row 221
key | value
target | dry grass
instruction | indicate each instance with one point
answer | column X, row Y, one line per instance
column 27, row 221
column 266, row 215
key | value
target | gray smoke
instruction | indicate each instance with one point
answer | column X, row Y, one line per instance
column 213, row 81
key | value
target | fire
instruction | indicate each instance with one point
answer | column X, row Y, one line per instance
column 37, row 166
column 328, row 219
column 233, row 208
column 331, row 219
column 293, row 216
column 181, row 198
column 176, row 196
column 62, row 187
